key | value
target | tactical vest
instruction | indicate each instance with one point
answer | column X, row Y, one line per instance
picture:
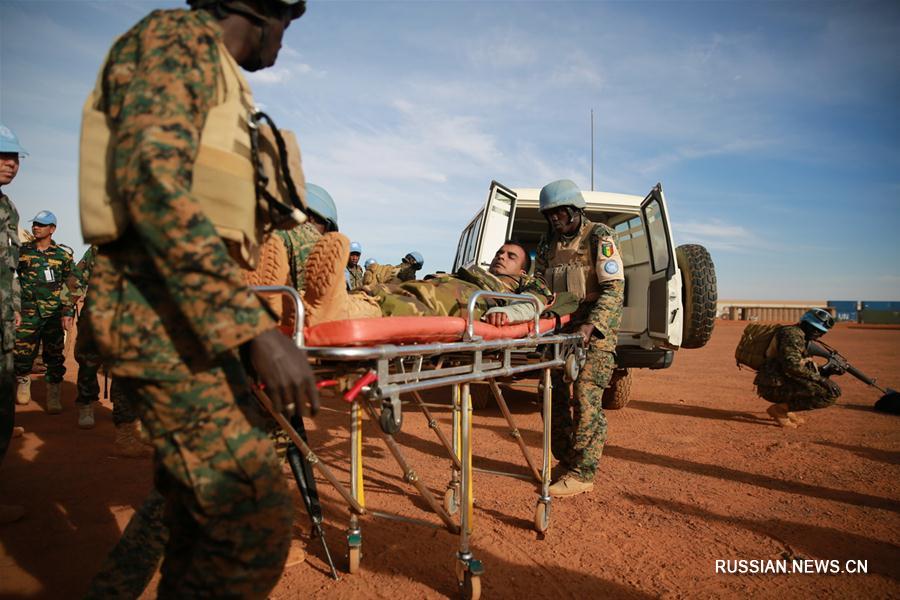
column 223, row 177
column 572, row 266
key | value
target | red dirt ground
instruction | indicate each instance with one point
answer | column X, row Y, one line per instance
column 693, row 472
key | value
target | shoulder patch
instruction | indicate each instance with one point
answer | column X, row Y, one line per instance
column 611, row 267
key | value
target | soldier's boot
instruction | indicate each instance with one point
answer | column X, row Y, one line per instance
column 570, row 484
column 296, row 554
column 796, row 418
column 54, row 406
column 10, row 513
column 86, row 415
column 23, row 389
column 326, row 298
column 127, row 443
column 780, row 413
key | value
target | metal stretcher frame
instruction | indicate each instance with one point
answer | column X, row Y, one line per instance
column 386, row 371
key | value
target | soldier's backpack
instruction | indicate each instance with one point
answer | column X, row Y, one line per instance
column 758, row 342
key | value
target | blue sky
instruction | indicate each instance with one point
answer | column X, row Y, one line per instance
column 774, row 127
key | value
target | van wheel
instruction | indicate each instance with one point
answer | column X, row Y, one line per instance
column 698, row 277
column 618, row 393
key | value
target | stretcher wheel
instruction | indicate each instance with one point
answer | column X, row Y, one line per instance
column 542, row 517
column 572, row 368
column 469, row 577
column 354, row 556
column 471, row 586
column 451, row 505
column 387, row 423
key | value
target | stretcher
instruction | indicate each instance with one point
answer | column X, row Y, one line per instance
column 375, row 362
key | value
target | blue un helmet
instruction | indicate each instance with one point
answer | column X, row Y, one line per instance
column 320, row 203
column 370, row 261
column 45, row 217
column 355, row 248
column 9, row 143
column 818, row 318
column 562, row 192
column 415, row 258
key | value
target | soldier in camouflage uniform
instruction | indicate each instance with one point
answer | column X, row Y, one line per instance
column 10, row 309
column 581, row 257
column 790, row 379
column 47, row 309
column 405, row 271
column 127, row 443
column 354, row 270
column 300, row 240
column 446, row 295
column 170, row 317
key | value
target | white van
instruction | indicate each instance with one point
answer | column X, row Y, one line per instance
column 670, row 293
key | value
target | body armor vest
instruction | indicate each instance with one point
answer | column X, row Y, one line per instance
column 573, row 265
column 223, row 178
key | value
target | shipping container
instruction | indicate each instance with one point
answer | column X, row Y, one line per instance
column 845, row 310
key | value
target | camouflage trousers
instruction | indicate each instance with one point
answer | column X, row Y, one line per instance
column 800, row 394
column 578, row 427
column 7, row 400
column 89, row 388
column 227, row 509
column 33, row 331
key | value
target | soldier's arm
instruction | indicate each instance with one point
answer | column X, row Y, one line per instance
column 541, row 259
column 606, row 312
column 66, row 294
column 791, row 346
column 158, row 112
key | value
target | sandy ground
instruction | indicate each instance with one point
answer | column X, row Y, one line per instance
column 694, row 472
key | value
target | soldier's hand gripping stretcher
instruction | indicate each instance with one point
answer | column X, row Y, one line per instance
column 284, row 373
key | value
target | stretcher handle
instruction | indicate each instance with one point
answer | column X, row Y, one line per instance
column 367, row 379
column 473, row 300
column 298, row 307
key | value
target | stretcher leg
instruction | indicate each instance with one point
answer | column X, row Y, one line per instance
column 432, row 424
column 357, row 490
column 513, row 429
column 452, row 496
column 468, row 569
column 542, row 510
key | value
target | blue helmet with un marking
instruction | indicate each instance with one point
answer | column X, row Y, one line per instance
column 562, row 192
column 818, row 318
column 355, row 248
column 9, row 143
column 415, row 258
column 370, row 261
column 321, row 204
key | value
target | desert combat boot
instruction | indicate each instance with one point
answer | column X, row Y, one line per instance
column 570, row 484
column 54, row 406
column 23, row 389
column 86, row 416
column 128, row 442
column 325, row 297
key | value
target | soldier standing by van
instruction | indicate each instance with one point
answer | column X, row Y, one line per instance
column 47, row 309
column 167, row 309
column 10, row 309
column 581, row 257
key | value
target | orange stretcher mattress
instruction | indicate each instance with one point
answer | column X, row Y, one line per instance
column 412, row 330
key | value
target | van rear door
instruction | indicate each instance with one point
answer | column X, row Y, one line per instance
column 496, row 228
column 663, row 294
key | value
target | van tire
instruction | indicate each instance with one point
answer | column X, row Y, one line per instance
column 698, row 280
column 618, row 392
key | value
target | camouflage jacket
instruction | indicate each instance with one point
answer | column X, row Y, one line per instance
column 299, row 242
column 606, row 311
column 43, row 277
column 791, row 360
column 521, row 284
column 166, row 297
column 10, row 299
column 356, row 277
column 82, row 273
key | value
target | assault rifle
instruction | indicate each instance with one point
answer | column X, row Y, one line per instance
column 838, row 365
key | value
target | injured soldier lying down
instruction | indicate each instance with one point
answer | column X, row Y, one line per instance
column 326, row 298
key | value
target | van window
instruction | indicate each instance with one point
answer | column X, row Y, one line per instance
column 472, row 244
column 659, row 244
